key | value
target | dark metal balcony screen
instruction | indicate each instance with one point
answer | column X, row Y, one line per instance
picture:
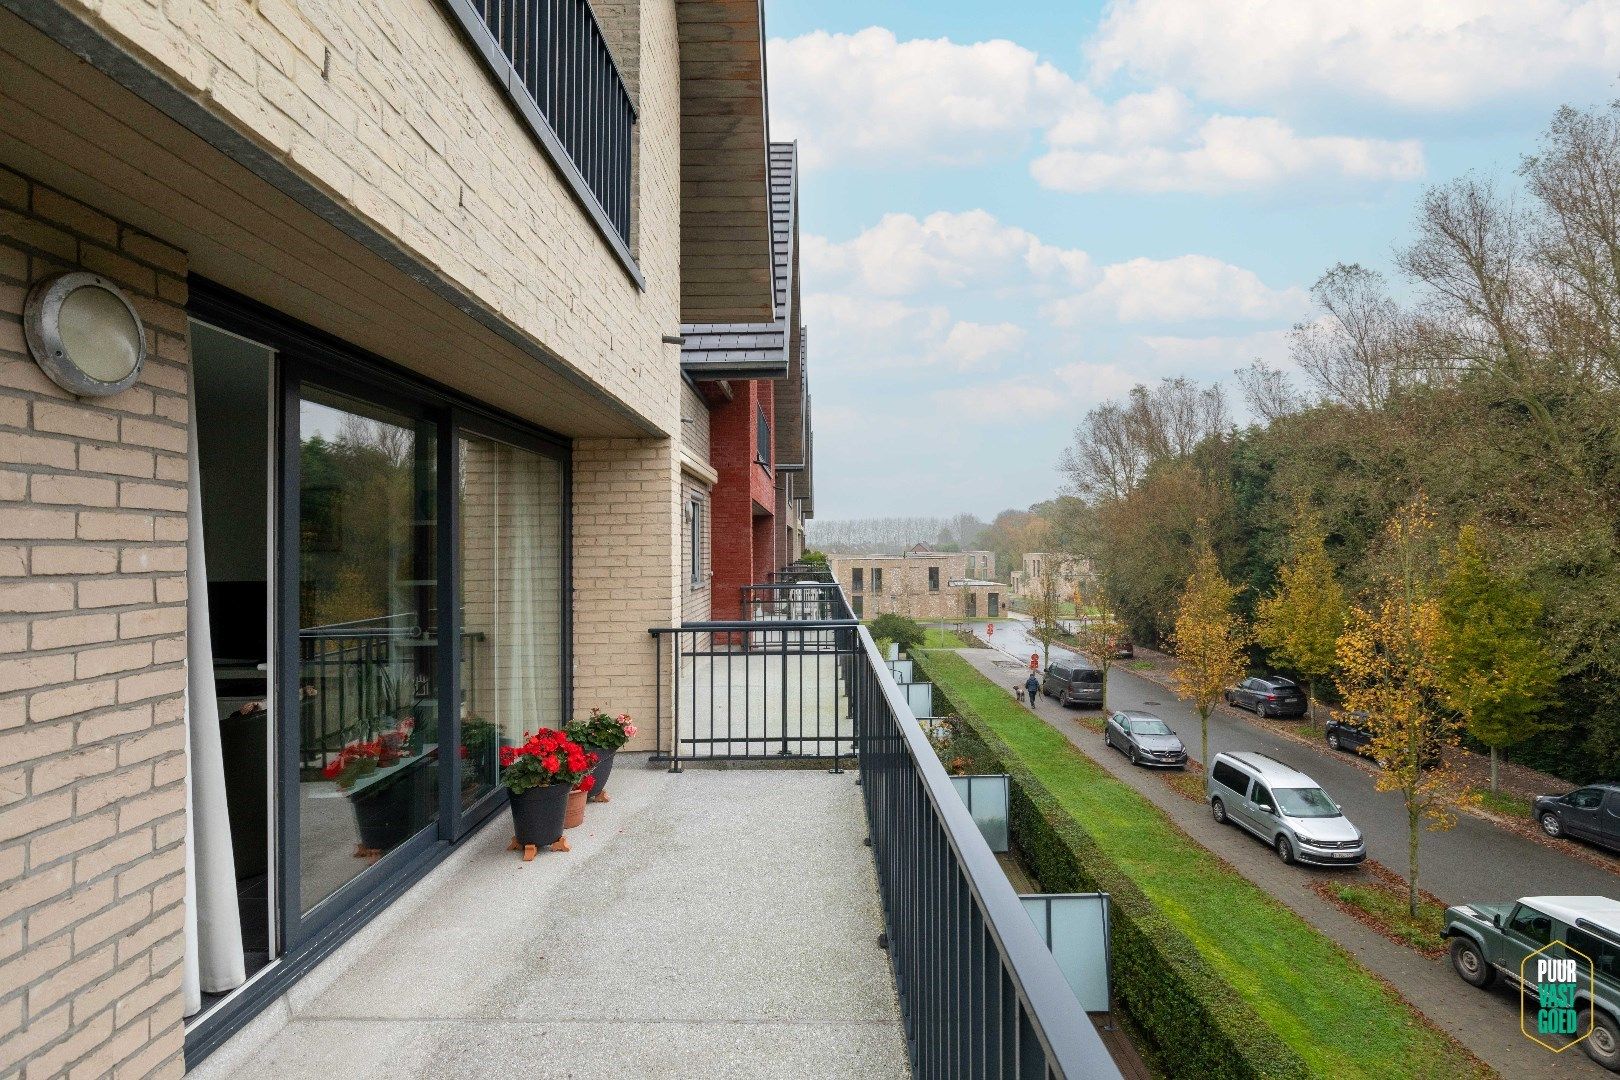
column 561, row 59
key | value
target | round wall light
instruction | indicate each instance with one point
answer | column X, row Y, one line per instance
column 85, row 334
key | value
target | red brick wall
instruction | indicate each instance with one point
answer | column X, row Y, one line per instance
column 740, row 555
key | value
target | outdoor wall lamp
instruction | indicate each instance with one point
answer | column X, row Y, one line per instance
column 84, row 334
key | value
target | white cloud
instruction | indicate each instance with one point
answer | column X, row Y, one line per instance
column 1069, row 389
column 1225, row 153
column 1212, row 358
column 870, row 97
column 1432, row 55
column 855, row 332
column 1181, row 289
column 903, row 254
column 970, row 345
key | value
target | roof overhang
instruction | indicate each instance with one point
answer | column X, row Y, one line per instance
column 726, row 248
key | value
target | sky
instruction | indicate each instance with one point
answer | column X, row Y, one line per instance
column 1012, row 212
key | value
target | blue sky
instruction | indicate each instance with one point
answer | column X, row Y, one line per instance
column 1012, row 212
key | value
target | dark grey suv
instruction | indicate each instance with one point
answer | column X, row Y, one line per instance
column 1145, row 739
column 1588, row 813
column 1270, row 696
column 1073, row 683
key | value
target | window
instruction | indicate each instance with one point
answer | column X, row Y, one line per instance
column 859, row 605
column 877, row 579
column 1605, row 954
column 695, row 531
column 1532, row 924
column 1262, row 798
column 1586, row 798
column 762, row 445
column 857, row 579
column 973, row 605
column 1227, row 776
column 933, row 579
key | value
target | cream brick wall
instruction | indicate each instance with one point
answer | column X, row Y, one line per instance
column 905, row 586
column 92, row 639
column 352, row 94
column 626, row 542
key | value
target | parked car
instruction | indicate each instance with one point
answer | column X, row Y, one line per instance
column 1588, row 813
column 1123, row 649
column 1145, row 739
column 1073, row 683
column 1270, row 696
column 1349, row 731
column 1283, row 807
column 1492, row 939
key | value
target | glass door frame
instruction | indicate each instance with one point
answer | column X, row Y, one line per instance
column 468, row 424
column 307, row 355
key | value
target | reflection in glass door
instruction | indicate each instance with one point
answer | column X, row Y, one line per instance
column 511, row 541
column 367, row 605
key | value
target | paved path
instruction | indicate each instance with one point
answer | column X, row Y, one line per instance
column 1487, row 1022
column 714, row 923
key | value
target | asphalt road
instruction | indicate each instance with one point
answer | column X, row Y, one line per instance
column 1475, row 860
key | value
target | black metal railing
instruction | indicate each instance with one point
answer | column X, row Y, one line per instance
column 980, row 993
column 795, row 600
column 796, row 572
column 560, row 59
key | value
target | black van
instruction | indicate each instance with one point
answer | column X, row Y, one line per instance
column 1073, row 683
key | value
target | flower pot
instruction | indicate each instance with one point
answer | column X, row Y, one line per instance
column 537, row 816
column 382, row 813
column 604, row 768
column 576, row 810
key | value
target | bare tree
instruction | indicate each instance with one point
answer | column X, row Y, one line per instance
column 1268, row 391
column 1117, row 443
column 1357, row 351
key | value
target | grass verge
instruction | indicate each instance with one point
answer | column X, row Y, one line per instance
column 942, row 638
column 1379, row 902
column 1224, row 979
column 1503, row 802
column 1188, row 782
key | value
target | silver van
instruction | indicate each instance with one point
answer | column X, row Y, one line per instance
column 1283, row 807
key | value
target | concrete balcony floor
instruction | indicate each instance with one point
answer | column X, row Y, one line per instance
column 712, row 923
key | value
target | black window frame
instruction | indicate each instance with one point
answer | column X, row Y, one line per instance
column 857, row 579
column 304, row 356
column 762, row 438
column 694, row 530
column 933, row 579
column 1221, row 768
column 877, row 579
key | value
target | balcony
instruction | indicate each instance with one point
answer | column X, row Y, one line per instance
column 842, row 917
column 553, row 60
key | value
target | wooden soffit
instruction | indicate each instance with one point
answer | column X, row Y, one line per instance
column 726, row 273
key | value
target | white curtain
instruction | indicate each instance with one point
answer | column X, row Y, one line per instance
column 213, row 961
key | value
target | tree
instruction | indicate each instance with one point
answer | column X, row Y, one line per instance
column 1356, row 352
column 1498, row 674
column 1391, row 659
column 1099, row 636
column 904, row 632
column 1301, row 620
column 1209, row 640
column 1117, row 443
column 1045, row 607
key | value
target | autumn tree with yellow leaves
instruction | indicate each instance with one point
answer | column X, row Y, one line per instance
column 1099, row 636
column 1209, row 640
column 1300, row 621
column 1392, row 660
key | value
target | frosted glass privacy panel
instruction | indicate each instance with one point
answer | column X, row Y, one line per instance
column 1075, row 927
column 902, row 670
column 986, row 798
column 920, row 696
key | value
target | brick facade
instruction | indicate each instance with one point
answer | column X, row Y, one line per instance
column 905, row 585
column 744, row 498
column 92, row 644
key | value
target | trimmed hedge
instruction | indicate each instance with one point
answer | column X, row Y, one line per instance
column 1191, row 934
column 1197, row 1026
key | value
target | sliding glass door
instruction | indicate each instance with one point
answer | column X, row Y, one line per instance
column 369, row 741
column 510, row 551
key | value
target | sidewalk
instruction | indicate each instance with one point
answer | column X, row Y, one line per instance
column 1484, row 1021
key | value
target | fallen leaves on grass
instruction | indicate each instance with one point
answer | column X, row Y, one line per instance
column 1377, row 900
column 1188, row 782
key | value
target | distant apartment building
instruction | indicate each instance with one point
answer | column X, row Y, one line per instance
column 920, row 584
column 364, row 369
column 1072, row 573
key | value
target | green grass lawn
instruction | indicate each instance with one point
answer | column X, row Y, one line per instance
column 1335, row 1014
column 1385, row 906
column 1504, row 802
column 941, row 638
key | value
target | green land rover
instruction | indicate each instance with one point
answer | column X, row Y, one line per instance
column 1494, row 939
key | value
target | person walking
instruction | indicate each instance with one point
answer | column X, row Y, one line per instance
column 1032, row 686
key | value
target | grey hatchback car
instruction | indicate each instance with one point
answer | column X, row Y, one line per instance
column 1145, row 739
